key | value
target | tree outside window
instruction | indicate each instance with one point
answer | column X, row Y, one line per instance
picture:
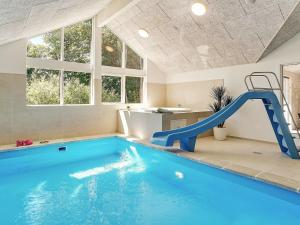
column 134, row 89
column 111, row 49
column 42, row 87
column 111, row 89
column 77, row 42
column 45, row 46
column 133, row 60
column 77, row 87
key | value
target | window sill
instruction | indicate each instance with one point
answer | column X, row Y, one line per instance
column 58, row 105
column 119, row 103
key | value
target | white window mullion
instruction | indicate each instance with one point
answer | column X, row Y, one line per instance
column 123, row 91
column 144, row 93
column 145, row 82
column 61, row 87
column 62, row 57
column 123, row 79
column 62, row 44
column 123, row 55
column 93, row 63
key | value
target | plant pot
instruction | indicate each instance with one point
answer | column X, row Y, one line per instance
column 220, row 134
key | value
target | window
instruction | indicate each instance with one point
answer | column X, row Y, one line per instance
column 134, row 88
column 118, row 58
column 59, row 86
column 133, row 60
column 111, row 89
column 42, row 86
column 46, row 46
column 60, row 69
column 77, row 42
column 76, row 87
column 111, row 49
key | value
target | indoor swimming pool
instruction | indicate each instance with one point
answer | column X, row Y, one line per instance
column 115, row 181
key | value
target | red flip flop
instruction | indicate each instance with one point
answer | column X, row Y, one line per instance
column 19, row 143
column 27, row 142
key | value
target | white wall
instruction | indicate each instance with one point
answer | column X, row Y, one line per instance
column 13, row 57
column 251, row 120
column 19, row 121
column 154, row 74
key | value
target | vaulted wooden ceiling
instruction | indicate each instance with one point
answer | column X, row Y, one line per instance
column 25, row 18
column 231, row 32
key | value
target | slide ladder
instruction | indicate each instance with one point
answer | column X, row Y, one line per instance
column 187, row 135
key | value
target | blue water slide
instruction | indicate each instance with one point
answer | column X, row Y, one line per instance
column 187, row 135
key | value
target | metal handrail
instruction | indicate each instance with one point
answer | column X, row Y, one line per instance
column 248, row 79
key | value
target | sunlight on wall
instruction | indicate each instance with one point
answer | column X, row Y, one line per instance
column 124, row 122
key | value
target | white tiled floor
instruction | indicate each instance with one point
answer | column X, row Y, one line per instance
column 261, row 160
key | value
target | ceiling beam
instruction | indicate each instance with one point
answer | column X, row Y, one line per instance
column 115, row 8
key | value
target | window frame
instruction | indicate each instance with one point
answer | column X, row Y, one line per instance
column 63, row 66
column 112, row 75
column 34, row 105
column 125, row 49
column 141, row 91
column 124, row 72
column 123, row 87
column 95, row 68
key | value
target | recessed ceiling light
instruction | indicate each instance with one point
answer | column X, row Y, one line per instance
column 143, row 33
column 198, row 8
column 109, row 48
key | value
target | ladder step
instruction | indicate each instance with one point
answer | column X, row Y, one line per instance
column 284, row 143
column 275, row 119
column 279, row 131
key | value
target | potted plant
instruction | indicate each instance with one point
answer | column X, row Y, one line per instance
column 221, row 99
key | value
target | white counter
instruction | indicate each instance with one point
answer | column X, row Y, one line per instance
column 143, row 123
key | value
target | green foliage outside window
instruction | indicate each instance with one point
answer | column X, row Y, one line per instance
column 77, row 42
column 111, row 89
column 133, row 89
column 133, row 60
column 111, row 49
column 46, row 46
column 42, row 87
column 77, row 88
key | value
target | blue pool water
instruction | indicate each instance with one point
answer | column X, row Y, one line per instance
column 113, row 181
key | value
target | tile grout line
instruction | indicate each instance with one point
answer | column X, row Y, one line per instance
column 257, row 175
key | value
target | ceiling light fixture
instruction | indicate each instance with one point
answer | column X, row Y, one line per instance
column 198, row 8
column 143, row 33
column 109, row 48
